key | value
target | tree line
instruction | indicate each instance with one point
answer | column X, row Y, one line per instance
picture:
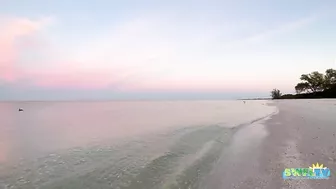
column 312, row 85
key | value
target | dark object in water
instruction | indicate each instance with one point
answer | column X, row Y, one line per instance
column 20, row 110
column 244, row 102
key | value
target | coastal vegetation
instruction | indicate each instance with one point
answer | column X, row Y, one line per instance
column 276, row 94
column 312, row 85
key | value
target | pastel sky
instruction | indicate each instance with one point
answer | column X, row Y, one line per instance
column 106, row 49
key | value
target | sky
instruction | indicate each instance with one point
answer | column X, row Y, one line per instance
column 146, row 49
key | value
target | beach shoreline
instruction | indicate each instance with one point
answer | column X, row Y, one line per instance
column 301, row 134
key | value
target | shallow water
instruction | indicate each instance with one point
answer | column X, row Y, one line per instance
column 139, row 144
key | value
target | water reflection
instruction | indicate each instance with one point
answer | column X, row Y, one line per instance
column 7, row 119
column 48, row 126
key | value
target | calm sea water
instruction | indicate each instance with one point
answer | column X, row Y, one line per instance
column 120, row 144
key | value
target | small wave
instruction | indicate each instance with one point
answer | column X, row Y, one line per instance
column 191, row 155
column 186, row 163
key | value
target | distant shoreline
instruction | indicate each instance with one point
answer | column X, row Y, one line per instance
column 122, row 100
column 314, row 85
column 329, row 93
column 256, row 99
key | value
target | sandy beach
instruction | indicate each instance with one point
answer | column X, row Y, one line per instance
column 300, row 134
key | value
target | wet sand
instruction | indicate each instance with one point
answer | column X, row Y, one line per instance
column 302, row 133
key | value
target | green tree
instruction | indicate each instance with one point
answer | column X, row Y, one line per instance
column 330, row 79
column 302, row 87
column 276, row 94
column 313, row 82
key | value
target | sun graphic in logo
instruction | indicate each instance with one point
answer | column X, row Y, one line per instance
column 317, row 166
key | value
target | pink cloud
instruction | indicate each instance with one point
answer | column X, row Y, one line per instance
column 17, row 35
column 107, row 60
column 7, row 59
column 70, row 79
column 11, row 31
column 20, row 34
column 210, row 85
